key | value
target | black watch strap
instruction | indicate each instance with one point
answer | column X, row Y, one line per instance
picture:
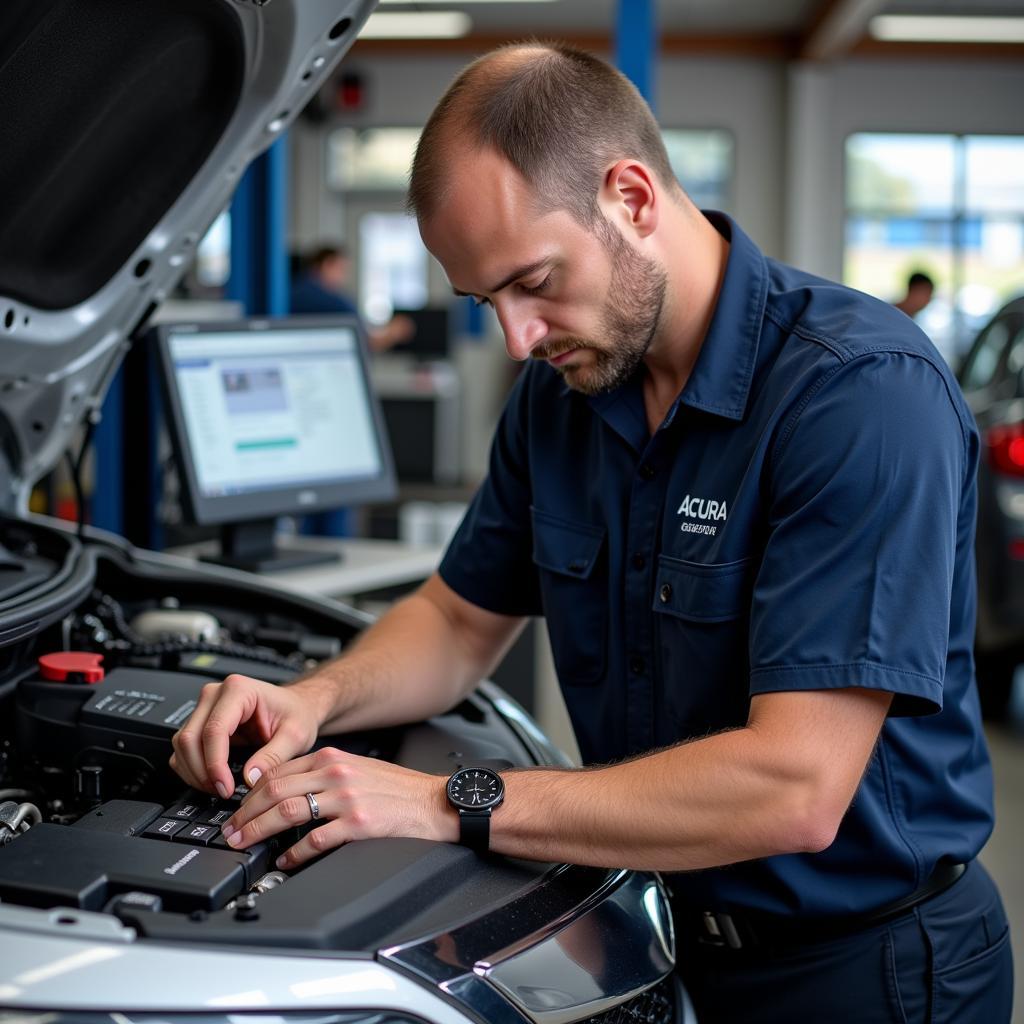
column 475, row 830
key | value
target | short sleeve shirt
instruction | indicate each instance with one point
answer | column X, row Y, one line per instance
column 803, row 519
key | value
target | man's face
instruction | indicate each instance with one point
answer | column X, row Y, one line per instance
column 334, row 272
column 918, row 296
column 581, row 298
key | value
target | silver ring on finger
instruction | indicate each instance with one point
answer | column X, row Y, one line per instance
column 314, row 807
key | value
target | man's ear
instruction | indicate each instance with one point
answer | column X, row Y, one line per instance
column 629, row 197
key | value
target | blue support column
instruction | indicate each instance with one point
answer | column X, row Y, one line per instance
column 259, row 235
column 636, row 44
column 259, row 267
column 107, row 499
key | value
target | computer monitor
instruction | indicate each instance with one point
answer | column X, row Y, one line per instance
column 432, row 339
column 270, row 418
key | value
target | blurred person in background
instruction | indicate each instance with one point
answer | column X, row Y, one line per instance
column 319, row 285
column 920, row 289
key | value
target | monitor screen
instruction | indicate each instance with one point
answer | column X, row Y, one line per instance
column 431, row 339
column 273, row 417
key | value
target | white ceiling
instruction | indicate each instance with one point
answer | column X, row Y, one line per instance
column 726, row 17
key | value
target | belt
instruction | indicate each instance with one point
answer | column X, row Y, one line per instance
column 744, row 930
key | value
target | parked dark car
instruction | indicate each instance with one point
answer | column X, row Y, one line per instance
column 992, row 377
column 125, row 126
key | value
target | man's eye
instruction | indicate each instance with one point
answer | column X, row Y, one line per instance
column 480, row 302
column 537, row 289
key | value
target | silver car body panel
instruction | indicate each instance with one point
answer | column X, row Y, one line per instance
column 562, row 972
column 571, row 975
column 92, row 963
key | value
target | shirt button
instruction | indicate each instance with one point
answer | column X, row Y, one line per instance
column 665, row 593
column 646, row 471
column 639, row 562
column 636, row 665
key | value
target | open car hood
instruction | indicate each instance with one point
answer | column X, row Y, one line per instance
column 125, row 126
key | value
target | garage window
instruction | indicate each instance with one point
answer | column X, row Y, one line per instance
column 949, row 205
column 703, row 162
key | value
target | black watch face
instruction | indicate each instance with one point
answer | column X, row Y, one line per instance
column 475, row 789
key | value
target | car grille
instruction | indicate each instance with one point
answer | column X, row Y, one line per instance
column 655, row 1006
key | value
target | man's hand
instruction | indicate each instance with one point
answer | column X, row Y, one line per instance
column 357, row 798
column 281, row 719
column 419, row 660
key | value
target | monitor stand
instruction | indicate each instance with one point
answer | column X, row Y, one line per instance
column 250, row 546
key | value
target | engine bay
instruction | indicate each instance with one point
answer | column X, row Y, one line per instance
column 92, row 818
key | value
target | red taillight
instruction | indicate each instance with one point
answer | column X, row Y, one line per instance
column 1006, row 448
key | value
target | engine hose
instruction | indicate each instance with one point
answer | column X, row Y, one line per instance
column 228, row 650
column 17, row 818
column 143, row 648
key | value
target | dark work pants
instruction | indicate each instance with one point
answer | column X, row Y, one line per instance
column 947, row 960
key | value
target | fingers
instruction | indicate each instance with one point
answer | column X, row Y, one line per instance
column 357, row 797
column 236, row 704
column 188, row 759
column 322, row 758
column 290, row 808
column 312, row 844
column 273, row 756
column 280, row 802
column 201, row 747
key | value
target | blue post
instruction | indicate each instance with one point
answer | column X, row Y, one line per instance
column 259, row 235
column 107, row 499
column 259, row 267
column 156, row 476
column 636, row 44
column 278, row 285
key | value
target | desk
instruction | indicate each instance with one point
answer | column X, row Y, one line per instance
column 365, row 566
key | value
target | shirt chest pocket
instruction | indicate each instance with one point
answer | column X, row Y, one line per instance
column 572, row 567
column 699, row 592
column 702, row 614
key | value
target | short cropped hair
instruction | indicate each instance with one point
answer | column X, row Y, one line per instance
column 325, row 253
column 919, row 277
column 559, row 115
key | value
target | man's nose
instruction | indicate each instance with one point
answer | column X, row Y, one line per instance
column 523, row 332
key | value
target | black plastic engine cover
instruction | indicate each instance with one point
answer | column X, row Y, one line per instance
column 141, row 702
column 53, row 865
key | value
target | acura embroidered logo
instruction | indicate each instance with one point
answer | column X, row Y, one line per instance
column 701, row 508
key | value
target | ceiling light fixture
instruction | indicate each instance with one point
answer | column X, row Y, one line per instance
column 913, row 28
column 417, row 25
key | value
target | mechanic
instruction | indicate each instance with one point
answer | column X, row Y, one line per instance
column 319, row 285
column 743, row 499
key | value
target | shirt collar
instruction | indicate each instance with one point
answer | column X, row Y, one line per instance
column 720, row 380
column 721, row 377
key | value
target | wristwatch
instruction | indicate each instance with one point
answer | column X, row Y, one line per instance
column 474, row 792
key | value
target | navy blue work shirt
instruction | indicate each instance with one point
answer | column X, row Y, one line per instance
column 803, row 519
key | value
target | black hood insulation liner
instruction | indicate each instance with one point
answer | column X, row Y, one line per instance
column 108, row 108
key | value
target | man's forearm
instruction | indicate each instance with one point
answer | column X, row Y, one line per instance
column 779, row 785
column 415, row 662
column 695, row 806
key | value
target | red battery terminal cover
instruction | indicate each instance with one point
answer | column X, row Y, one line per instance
column 69, row 666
